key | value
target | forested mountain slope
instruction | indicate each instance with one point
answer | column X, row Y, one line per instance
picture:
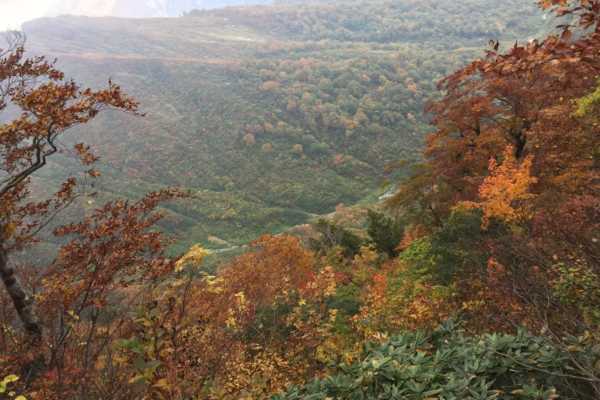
column 477, row 278
column 269, row 114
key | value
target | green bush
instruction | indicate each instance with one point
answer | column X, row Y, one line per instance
column 453, row 250
column 385, row 233
column 332, row 235
column 450, row 365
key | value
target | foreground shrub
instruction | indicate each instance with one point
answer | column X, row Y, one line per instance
column 450, row 365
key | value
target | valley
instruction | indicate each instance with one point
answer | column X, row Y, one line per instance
column 301, row 200
column 267, row 123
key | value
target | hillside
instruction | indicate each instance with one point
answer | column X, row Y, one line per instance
column 212, row 257
column 269, row 114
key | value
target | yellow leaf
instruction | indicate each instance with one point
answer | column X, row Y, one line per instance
column 10, row 379
column 194, row 256
column 162, row 384
column 9, row 230
column 137, row 378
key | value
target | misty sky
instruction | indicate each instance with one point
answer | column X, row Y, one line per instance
column 14, row 12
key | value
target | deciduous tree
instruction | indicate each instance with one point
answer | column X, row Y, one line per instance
column 45, row 106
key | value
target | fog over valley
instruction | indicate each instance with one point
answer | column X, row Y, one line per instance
column 15, row 12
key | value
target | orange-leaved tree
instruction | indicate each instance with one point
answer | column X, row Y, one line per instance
column 246, row 333
column 505, row 192
column 541, row 200
column 45, row 106
column 522, row 98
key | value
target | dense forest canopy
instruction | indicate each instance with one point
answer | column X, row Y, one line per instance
column 477, row 276
column 290, row 109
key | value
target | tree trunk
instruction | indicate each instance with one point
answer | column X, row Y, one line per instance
column 23, row 302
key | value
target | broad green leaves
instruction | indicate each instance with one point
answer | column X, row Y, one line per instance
column 451, row 366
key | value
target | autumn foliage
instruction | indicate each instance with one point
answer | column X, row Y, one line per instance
column 497, row 229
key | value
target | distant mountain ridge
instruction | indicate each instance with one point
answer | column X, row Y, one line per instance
column 141, row 8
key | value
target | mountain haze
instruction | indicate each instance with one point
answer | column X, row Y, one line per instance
column 140, row 8
column 301, row 200
column 269, row 114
